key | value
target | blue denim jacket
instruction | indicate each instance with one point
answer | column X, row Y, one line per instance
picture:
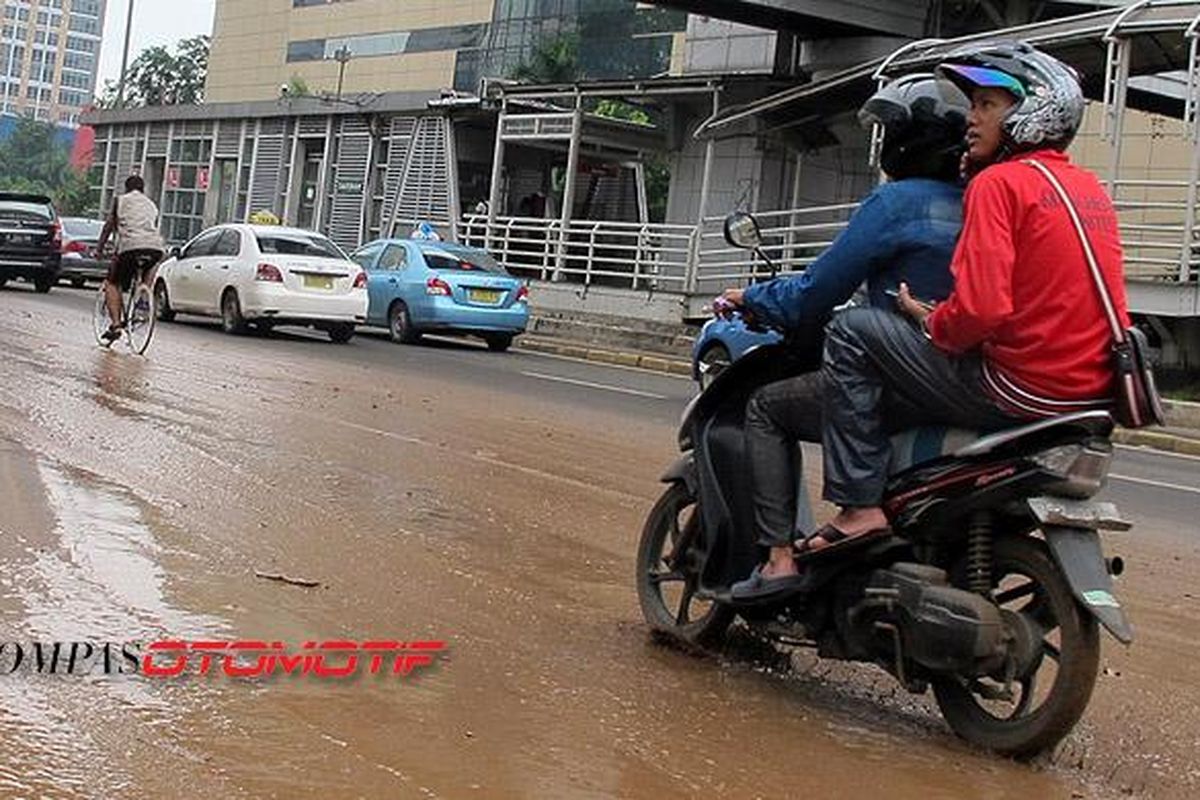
column 903, row 231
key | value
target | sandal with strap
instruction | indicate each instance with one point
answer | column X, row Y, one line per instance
column 836, row 541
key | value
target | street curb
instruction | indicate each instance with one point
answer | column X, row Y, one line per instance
column 1167, row 442
column 1159, row 441
column 618, row 358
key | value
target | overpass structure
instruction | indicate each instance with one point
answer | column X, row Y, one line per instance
column 1143, row 55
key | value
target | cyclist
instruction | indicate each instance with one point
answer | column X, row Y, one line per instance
column 134, row 219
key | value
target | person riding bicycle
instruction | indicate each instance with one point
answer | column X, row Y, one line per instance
column 904, row 231
column 1023, row 335
column 134, row 219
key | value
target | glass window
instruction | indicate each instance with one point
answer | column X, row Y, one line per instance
column 26, row 211
column 460, row 259
column 291, row 243
column 230, row 243
column 365, row 256
column 395, row 257
column 82, row 228
column 202, row 245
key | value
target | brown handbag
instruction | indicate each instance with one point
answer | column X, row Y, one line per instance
column 1137, row 403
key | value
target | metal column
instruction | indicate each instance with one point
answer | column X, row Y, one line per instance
column 497, row 190
column 1192, row 131
column 710, row 153
column 568, row 204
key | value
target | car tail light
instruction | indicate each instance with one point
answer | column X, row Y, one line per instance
column 269, row 273
column 523, row 294
column 360, row 280
column 437, row 287
column 56, row 236
column 75, row 246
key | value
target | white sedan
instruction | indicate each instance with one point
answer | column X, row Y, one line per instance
column 264, row 275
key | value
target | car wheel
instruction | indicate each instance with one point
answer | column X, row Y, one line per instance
column 232, row 321
column 400, row 325
column 162, row 303
column 713, row 361
column 42, row 285
column 498, row 342
column 341, row 333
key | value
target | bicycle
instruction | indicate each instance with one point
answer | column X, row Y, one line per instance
column 138, row 311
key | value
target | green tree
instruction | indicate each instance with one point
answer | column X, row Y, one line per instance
column 554, row 60
column 32, row 160
column 162, row 77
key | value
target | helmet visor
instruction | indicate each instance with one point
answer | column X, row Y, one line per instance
column 966, row 76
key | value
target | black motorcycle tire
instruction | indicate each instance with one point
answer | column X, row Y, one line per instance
column 710, row 628
column 1078, row 663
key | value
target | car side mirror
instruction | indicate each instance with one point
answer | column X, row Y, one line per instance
column 741, row 230
column 174, row 252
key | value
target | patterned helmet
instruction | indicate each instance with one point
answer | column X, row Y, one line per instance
column 1049, row 106
column 923, row 126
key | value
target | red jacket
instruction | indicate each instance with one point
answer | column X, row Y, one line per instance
column 1023, row 292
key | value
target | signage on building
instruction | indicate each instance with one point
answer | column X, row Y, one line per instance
column 173, row 177
column 349, row 187
column 202, row 178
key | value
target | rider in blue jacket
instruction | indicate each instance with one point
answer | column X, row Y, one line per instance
column 903, row 232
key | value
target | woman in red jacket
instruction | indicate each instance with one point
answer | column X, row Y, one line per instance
column 1023, row 335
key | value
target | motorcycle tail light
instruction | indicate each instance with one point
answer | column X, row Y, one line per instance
column 269, row 273
column 1083, row 467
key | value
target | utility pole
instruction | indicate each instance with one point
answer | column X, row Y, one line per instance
column 125, row 58
column 342, row 56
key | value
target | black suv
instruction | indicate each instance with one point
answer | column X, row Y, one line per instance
column 30, row 240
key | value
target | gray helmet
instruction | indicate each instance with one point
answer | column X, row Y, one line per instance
column 1049, row 105
column 923, row 127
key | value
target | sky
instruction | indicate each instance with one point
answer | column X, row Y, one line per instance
column 154, row 22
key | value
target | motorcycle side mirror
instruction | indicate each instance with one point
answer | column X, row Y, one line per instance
column 741, row 230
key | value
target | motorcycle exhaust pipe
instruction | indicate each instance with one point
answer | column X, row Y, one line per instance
column 1114, row 565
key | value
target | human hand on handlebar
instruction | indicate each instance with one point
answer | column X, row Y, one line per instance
column 731, row 300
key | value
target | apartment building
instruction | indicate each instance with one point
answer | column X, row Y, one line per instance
column 413, row 45
column 49, row 55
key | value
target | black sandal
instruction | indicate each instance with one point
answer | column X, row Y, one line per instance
column 836, row 541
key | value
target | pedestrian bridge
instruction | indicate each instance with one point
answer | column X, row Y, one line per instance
column 1145, row 56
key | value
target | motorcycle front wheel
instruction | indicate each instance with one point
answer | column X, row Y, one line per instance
column 668, row 573
column 1041, row 706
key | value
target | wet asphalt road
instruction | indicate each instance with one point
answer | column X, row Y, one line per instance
column 493, row 501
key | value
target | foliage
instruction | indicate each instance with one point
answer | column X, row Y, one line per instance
column 554, row 60
column 298, row 87
column 160, row 77
column 619, row 109
column 32, row 160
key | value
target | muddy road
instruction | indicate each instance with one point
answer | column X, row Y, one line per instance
column 494, row 502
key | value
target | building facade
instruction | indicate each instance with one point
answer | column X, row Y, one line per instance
column 415, row 45
column 49, row 56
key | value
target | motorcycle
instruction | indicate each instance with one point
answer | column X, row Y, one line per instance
column 990, row 589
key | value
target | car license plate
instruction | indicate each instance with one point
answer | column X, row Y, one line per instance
column 322, row 282
column 484, row 295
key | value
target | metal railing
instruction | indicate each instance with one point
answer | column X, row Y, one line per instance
column 691, row 260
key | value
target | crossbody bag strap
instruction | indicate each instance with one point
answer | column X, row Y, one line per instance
column 1114, row 322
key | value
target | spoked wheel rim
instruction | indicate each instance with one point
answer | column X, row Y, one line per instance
column 139, row 325
column 100, row 319
column 669, row 564
column 1055, row 658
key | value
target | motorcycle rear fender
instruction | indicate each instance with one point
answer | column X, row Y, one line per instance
column 683, row 470
column 1078, row 554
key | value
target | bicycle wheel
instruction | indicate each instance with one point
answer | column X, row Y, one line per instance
column 139, row 324
column 100, row 318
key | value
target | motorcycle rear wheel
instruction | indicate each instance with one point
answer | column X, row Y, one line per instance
column 1026, row 581
column 667, row 592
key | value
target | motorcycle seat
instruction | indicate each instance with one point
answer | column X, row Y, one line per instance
column 919, row 445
